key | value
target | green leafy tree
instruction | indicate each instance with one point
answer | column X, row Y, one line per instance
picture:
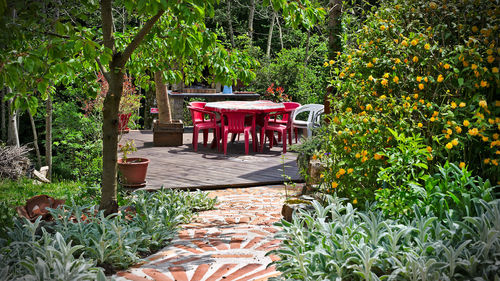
column 58, row 46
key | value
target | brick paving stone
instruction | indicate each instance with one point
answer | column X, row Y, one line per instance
column 227, row 243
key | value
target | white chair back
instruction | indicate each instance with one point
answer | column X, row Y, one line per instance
column 315, row 110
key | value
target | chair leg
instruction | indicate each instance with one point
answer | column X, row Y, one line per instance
column 254, row 136
column 296, row 131
column 205, row 137
column 284, row 141
column 224, row 142
column 289, row 136
column 217, row 138
column 262, row 139
column 247, row 140
column 195, row 139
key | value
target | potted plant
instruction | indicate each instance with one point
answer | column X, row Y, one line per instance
column 133, row 170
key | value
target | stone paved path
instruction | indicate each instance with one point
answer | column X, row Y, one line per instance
column 228, row 243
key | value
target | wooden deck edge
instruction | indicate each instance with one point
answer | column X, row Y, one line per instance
column 220, row 186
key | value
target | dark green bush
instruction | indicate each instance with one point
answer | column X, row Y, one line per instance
column 302, row 82
column 77, row 144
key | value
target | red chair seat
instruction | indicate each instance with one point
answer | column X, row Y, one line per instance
column 200, row 123
column 271, row 125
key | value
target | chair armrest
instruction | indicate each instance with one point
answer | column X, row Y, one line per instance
column 209, row 113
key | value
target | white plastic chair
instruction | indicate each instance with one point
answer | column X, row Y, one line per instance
column 315, row 110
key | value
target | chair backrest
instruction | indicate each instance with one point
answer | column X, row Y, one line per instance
column 195, row 115
column 311, row 108
column 285, row 114
column 234, row 121
column 317, row 117
column 291, row 105
column 198, row 104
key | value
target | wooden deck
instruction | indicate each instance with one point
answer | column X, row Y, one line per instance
column 182, row 168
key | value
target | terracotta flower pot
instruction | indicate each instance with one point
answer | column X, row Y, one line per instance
column 133, row 171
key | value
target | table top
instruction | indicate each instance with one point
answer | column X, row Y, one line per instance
column 260, row 106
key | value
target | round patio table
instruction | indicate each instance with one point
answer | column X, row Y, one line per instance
column 256, row 108
column 260, row 106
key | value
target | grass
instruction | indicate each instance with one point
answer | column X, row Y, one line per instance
column 15, row 193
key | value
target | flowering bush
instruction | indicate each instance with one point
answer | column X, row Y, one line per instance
column 422, row 69
column 276, row 94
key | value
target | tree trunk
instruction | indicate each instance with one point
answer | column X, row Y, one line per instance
column 35, row 140
column 334, row 28
column 230, row 23
column 164, row 115
column 251, row 15
column 3, row 127
column 270, row 35
column 48, row 137
column 280, row 32
column 12, row 135
column 334, row 44
column 111, row 105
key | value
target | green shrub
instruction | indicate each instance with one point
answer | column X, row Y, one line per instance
column 406, row 165
column 303, row 83
column 307, row 149
column 453, row 192
column 77, row 144
column 116, row 241
column 337, row 242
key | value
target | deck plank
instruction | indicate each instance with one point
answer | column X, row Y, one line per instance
column 180, row 167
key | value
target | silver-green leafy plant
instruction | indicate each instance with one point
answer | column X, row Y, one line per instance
column 35, row 254
column 336, row 242
column 82, row 237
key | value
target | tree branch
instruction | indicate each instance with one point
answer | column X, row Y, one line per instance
column 103, row 71
column 107, row 24
column 139, row 37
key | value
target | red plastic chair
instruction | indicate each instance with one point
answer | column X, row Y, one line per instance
column 198, row 116
column 285, row 115
column 234, row 122
column 203, row 124
column 267, row 131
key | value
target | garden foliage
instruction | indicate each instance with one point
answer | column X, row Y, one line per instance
column 414, row 136
column 338, row 242
column 296, row 71
column 416, row 85
column 81, row 237
column 77, row 143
